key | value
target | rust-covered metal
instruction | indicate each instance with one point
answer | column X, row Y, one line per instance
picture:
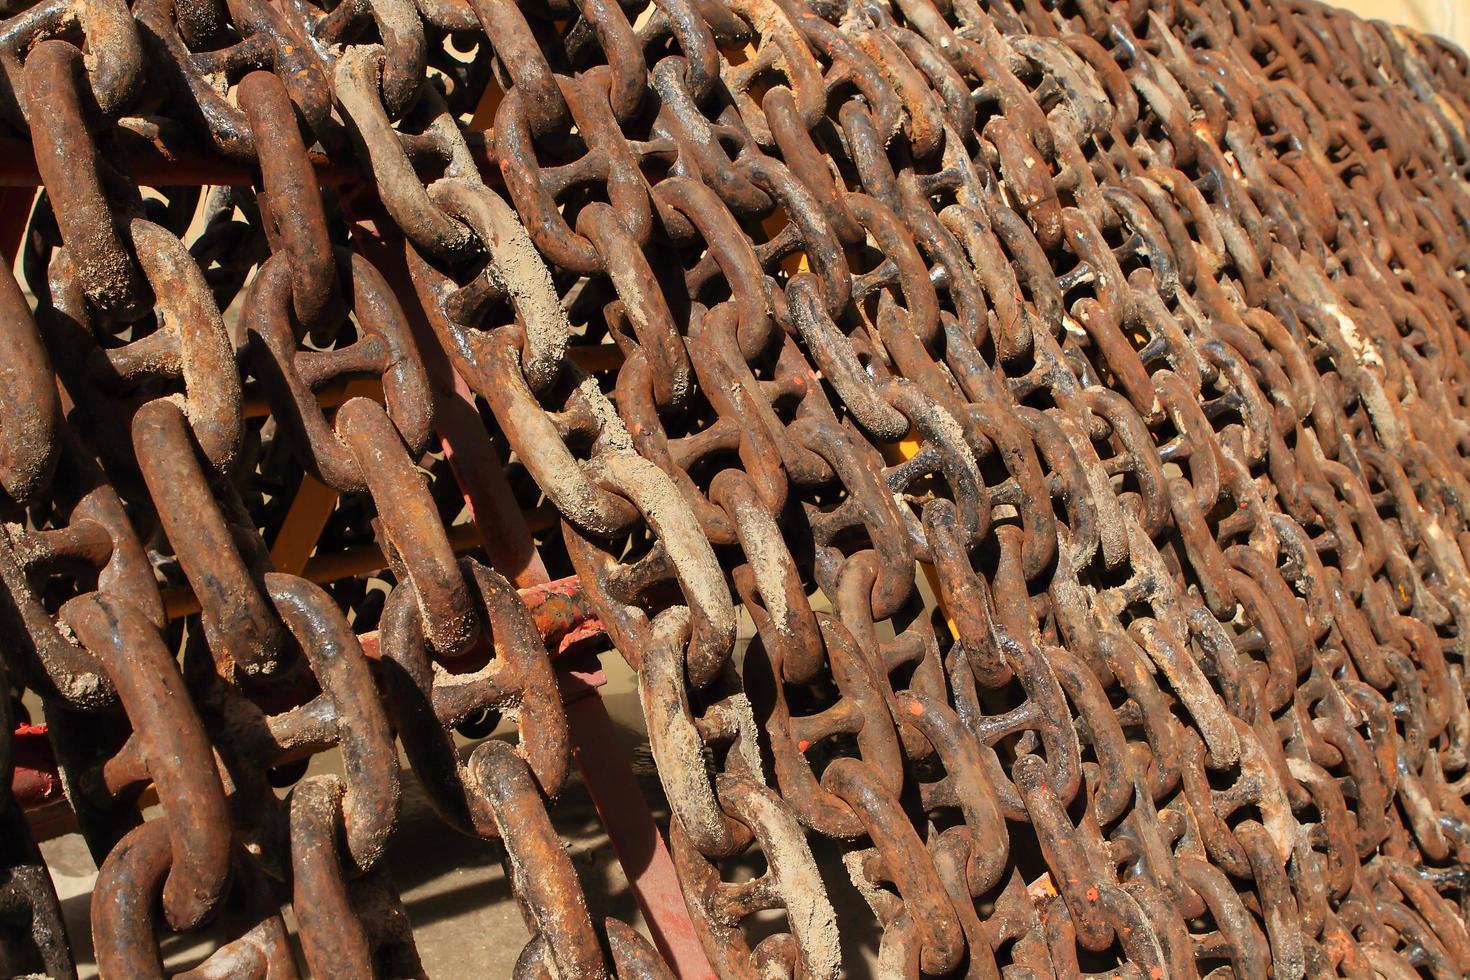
column 1021, row 449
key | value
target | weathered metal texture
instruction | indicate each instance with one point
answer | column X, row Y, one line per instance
column 1074, row 396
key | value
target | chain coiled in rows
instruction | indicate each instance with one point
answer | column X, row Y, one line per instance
column 1071, row 396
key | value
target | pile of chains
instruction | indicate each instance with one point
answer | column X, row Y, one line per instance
column 1070, row 396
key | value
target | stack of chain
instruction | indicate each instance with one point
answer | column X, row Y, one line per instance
column 1073, row 397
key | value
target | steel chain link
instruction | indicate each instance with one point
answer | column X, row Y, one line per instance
column 1071, row 399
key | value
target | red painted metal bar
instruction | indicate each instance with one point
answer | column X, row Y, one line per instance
column 154, row 163
column 624, row 812
column 35, row 781
column 15, row 210
column 475, row 460
column 610, row 781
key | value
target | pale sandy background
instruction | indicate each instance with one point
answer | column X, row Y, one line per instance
column 1447, row 18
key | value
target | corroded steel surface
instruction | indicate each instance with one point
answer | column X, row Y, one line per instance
column 1070, row 396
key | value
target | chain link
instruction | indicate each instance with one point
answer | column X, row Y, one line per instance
column 1020, row 448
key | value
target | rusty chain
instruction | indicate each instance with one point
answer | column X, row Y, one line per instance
column 1071, row 399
